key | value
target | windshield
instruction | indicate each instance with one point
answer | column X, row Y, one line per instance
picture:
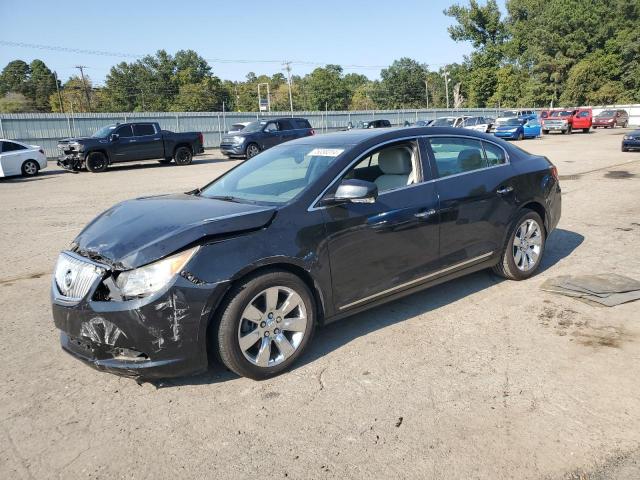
column 275, row 176
column 607, row 113
column 443, row 122
column 563, row 113
column 254, row 127
column 236, row 127
column 513, row 121
column 104, row 132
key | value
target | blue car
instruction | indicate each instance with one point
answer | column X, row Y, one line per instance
column 519, row 128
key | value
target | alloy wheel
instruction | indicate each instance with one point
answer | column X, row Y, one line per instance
column 252, row 151
column 527, row 245
column 272, row 326
column 30, row 168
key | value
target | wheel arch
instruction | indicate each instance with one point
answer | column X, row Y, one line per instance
column 269, row 265
column 540, row 210
column 98, row 150
column 182, row 144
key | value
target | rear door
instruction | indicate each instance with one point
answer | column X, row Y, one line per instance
column 477, row 198
column 379, row 248
column 12, row 156
column 148, row 141
column 287, row 130
column 124, row 147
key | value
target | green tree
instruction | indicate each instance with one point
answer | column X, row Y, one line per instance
column 326, row 88
column 205, row 96
column 41, row 85
column 15, row 78
column 402, row 84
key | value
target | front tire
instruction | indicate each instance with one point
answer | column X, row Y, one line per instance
column 183, row 156
column 30, row 168
column 545, row 132
column 265, row 324
column 96, row 162
column 522, row 254
column 520, row 136
column 252, row 150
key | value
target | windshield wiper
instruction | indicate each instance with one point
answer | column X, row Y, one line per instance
column 194, row 192
column 227, row 198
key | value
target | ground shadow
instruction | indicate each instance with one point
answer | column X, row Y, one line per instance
column 561, row 244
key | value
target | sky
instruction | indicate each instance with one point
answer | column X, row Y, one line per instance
column 235, row 37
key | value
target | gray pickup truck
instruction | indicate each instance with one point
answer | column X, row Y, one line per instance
column 128, row 142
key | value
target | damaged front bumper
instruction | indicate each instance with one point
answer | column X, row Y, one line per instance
column 70, row 161
column 163, row 335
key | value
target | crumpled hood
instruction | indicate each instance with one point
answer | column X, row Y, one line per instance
column 136, row 232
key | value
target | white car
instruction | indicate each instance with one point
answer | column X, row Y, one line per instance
column 479, row 124
column 449, row 121
column 17, row 158
column 236, row 127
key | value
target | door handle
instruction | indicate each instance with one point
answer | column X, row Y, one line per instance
column 425, row 214
column 132, row 141
column 504, row 190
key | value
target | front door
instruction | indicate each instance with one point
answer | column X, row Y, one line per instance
column 271, row 135
column 376, row 249
column 477, row 197
column 125, row 146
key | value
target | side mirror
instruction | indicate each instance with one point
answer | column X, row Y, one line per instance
column 354, row 191
column 114, row 137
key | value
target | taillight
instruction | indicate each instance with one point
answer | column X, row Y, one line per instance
column 41, row 151
column 201, row 138
column 554, row 172
column 313, row 132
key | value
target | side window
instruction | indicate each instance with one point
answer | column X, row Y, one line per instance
column 271, row 127
column 583, row 114
column 301, row 123
column 142, row 129
column 454, row 155
column 124, row 131
column 284, row 125
column 494, row 154
column 391, row 167
column 12, row 147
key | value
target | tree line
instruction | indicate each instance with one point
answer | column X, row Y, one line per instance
column 560, row 52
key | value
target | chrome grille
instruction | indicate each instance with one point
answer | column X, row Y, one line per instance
column 74, row 276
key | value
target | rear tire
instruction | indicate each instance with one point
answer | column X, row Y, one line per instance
column 521, row 136
column 245, row 315
column 183, row 156
column 522, row 254
column 30, row 168
column 545, row 132
column 96, row 162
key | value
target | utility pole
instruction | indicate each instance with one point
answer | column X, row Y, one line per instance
column 84, row 82
column 446, row 85
column 426, row 90
column 288, row 69
column 55, row 76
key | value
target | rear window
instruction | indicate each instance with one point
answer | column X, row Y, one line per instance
column 143, row 129
column 301, row 123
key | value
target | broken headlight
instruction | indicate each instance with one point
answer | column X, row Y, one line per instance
column 146, row 280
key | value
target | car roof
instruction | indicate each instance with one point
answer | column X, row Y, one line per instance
column 358, row 136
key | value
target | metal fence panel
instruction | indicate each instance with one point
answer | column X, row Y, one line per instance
column 45, row 129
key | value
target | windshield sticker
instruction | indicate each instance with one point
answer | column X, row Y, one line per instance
column 326, row 152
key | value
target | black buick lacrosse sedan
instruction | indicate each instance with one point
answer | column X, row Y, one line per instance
column 305, row 233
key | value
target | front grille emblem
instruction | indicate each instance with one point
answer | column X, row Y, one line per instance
column 69, row 277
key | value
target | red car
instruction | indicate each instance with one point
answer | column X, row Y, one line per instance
column 568, row 120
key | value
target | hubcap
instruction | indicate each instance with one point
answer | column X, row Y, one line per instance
column 272, row 326
column 253, row 151
column 527, row 245
column 30, row 168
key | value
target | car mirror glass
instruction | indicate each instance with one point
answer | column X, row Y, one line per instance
column 353, row 191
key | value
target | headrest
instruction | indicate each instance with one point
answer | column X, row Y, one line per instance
column 470, row 159
column 395, row 161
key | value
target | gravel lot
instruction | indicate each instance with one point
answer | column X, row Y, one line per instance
column 476, row 378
